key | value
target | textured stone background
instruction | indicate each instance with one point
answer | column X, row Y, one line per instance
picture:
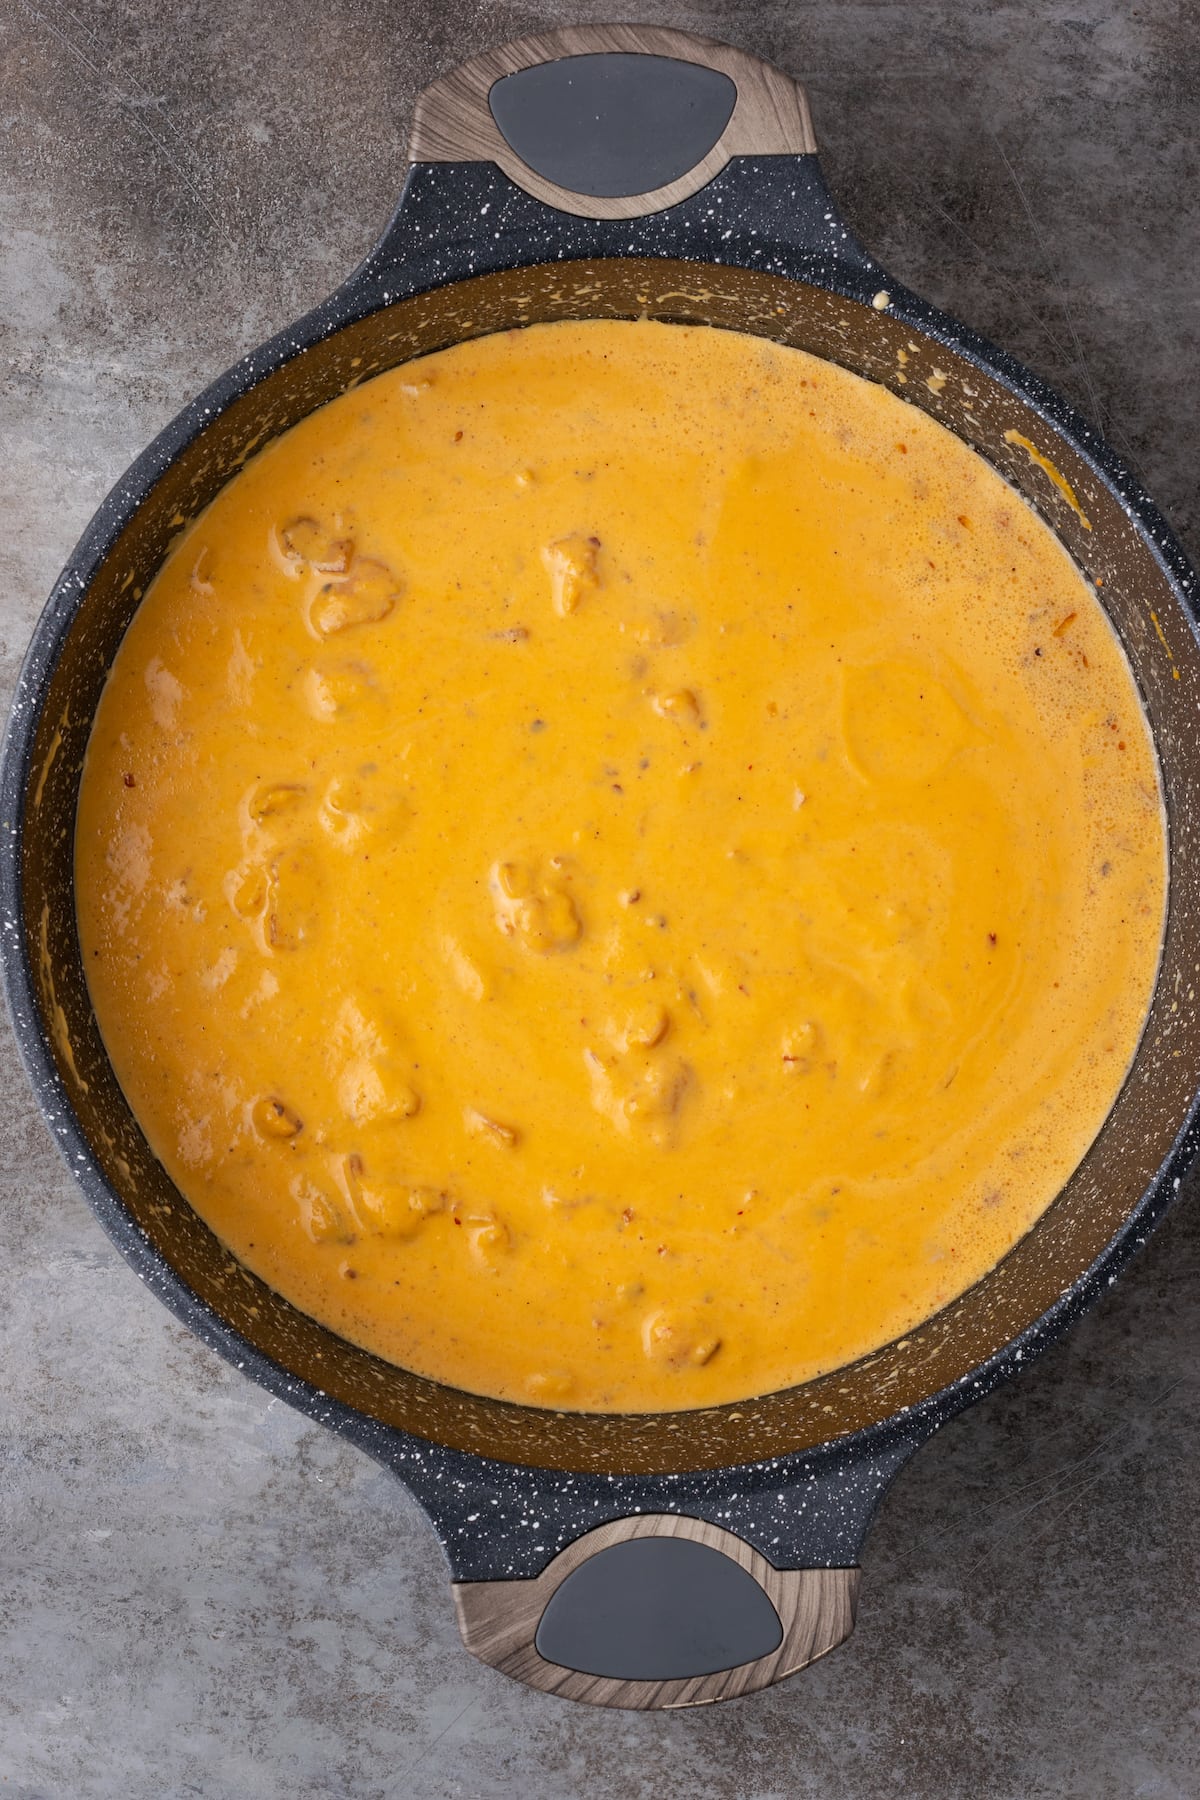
column 200, row 1593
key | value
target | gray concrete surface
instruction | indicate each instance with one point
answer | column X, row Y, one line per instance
column 201, row 1594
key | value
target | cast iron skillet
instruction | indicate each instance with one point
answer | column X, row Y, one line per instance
column 630, row 1560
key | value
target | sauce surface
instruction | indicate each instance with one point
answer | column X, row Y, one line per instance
column 620, row 866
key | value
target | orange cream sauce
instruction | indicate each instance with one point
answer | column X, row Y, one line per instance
column 620, row 866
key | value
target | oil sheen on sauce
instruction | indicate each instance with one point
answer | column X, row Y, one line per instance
column 620, row 866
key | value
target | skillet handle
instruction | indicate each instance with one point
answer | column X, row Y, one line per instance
column 611, row 121
column 657, row 1611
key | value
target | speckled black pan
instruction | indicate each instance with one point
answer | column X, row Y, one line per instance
column 725, row 1540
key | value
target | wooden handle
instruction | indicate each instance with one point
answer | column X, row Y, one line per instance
column 453, row 119
column 661, row 1597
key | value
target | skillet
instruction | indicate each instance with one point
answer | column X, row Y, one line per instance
column 648, row 1560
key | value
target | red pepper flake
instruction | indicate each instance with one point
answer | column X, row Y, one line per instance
column 627, row 1215
column 458, row 437
column 992, row 939
column 1065, row 624
column 903, row 449
column 128, row 780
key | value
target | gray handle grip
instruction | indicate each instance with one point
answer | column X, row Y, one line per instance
column 611, row 121
column 657, row 1610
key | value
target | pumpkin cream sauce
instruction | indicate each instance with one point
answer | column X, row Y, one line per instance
column 620, row 866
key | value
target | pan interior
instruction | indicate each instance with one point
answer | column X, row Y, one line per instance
column 1108, row 1186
